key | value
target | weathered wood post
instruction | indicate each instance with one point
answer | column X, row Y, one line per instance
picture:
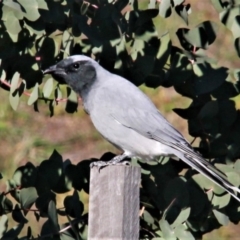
column 114, row 203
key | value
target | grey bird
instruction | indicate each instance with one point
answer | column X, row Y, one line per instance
column 128, row 119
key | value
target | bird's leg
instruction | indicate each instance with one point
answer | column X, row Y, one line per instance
column 117, row 160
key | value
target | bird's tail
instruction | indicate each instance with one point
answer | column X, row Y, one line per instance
column 196, row 161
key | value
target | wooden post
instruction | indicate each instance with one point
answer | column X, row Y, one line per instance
column 114, row 203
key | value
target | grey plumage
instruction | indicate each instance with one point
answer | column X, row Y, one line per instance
column 128, row 119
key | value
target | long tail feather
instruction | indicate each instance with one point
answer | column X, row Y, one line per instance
column 197, row 162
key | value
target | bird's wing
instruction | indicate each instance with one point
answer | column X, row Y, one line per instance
column 153, row 125
column 150, row 124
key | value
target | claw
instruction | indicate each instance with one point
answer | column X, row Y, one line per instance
column 98, row 164
column 102, row 164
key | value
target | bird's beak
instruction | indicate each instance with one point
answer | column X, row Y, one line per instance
column 57, row 72
column 54, row 70
column 50, row 70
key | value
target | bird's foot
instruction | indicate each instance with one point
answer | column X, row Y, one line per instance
column 102, row 164
column 98, row 164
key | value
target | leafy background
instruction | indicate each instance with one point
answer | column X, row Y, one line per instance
column 189, row 49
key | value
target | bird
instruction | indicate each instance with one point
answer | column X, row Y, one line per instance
column 128, row 119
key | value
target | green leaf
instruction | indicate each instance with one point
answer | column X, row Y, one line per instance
column 176, row 190
column 12, row 24
column 52, row 214
column 209, row 110
column 161, row 27
column 37, row 28
column 164, row 49
column 137, row 48
column 3, row 225
column 183, row 11
column 178, row 2
column 49, row 172
column 228, row 15
column 194, row 37
column 182, row 217
column 31, row 9
column 222, row 218
column 74, row 208
column 42, row 4
column 34, row 95
column 28, row 196
column 148, row 217
column 217, row 5
column 12, row 5
column 201, row 36
column 227, row 108
column 18, row 216
column 42, row 202
column 237, row 165
column 152, row 4
column 207, row 184
column 67, row 236
column 47, row 88
column 14, row 101
column 221, row 201
column 208, row 77
column 67, row 41
column 233, row 178
column 224, row 168
column 182, row 234
column 3, row 76
column 225, row 91
column 167, row 231
column 165, row 9
column 14, row 95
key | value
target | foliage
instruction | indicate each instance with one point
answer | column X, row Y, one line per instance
column 158, row 43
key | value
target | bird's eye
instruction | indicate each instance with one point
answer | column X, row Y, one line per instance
column 76, row 66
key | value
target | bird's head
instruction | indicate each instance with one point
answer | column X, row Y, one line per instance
column 77, row 71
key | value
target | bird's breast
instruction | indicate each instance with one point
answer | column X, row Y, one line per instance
column 127, row 139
